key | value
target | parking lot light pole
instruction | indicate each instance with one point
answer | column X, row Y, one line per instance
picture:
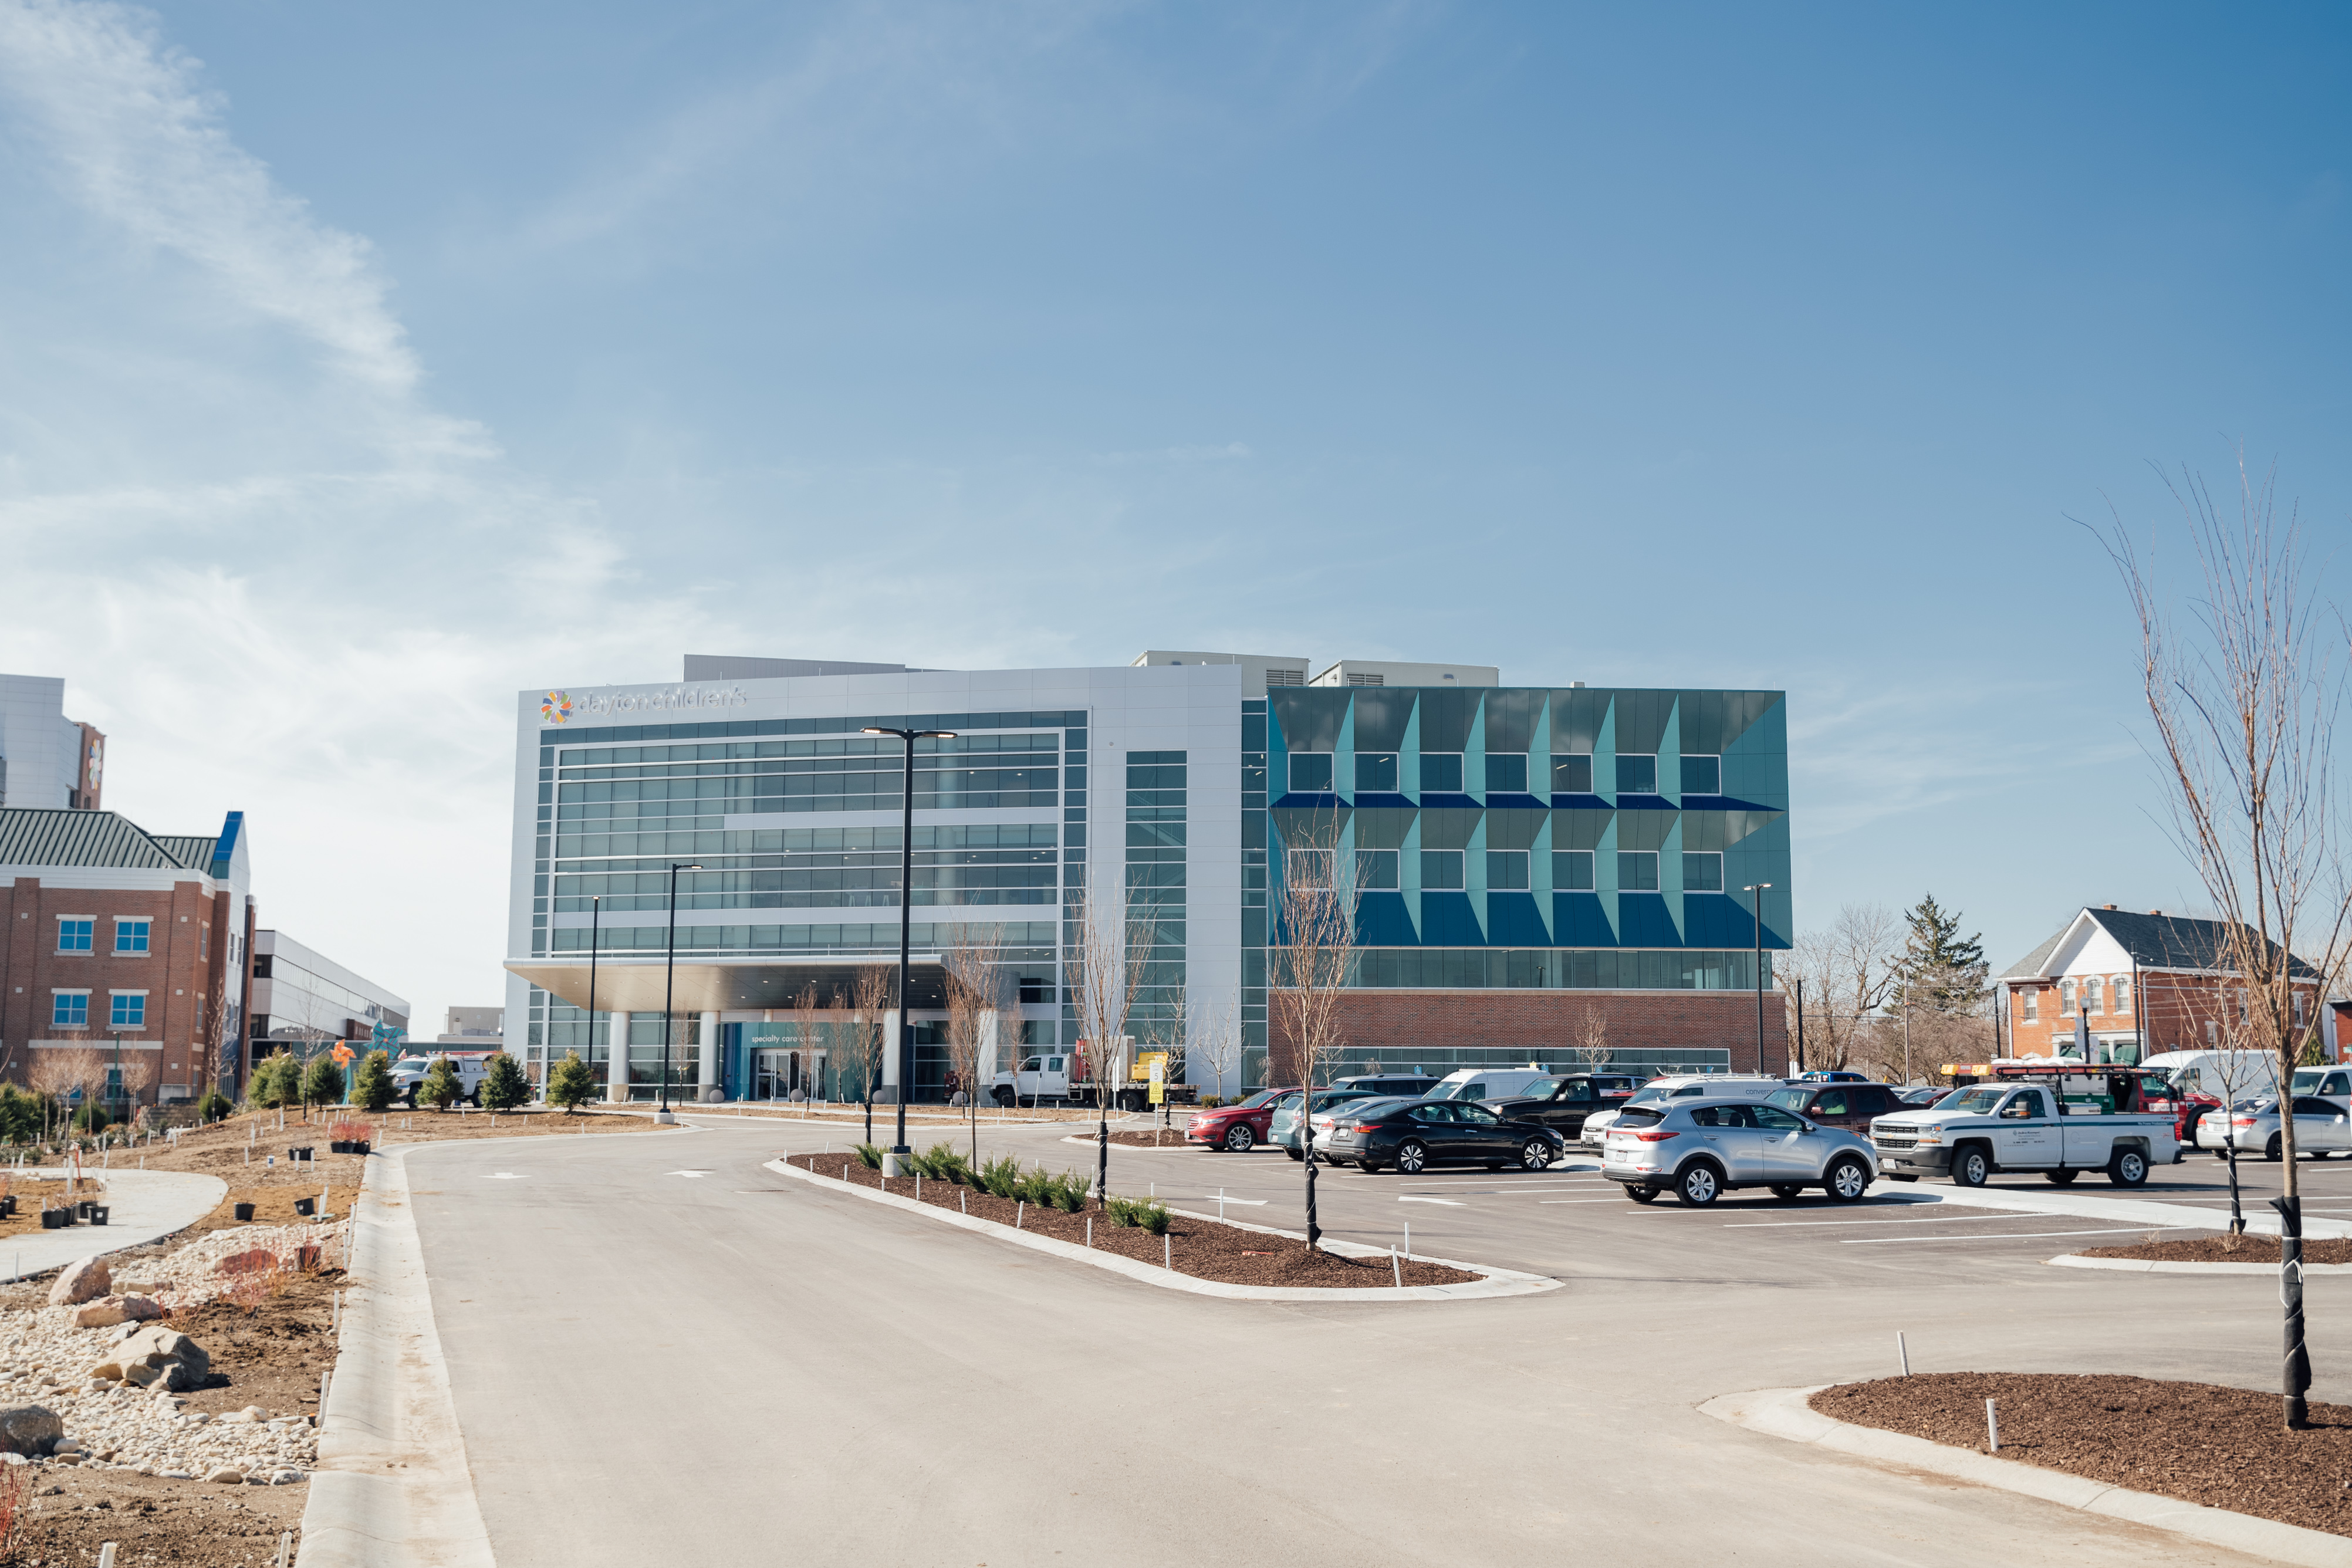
column 1757, row 890
column 669, row 974
column 899, row 1149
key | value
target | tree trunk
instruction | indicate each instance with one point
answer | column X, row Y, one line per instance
column 1313, row 1231
column 1102, row 1145
column 2229, row 1158
column 2295, row 1363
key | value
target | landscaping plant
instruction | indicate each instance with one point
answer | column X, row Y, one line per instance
column 20, row 1114
column 91, row 1118
column 275, row 1082
column 1001, row 1177
column 213, row 1107
column 504, row 1083
column 1069, row 1192
column 570, row 1085
column 323, row 1084
column 372, row 1085
column 869, row 1156
column 442, row 1087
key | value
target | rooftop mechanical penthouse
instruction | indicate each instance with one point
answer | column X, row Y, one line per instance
column 1526, row 858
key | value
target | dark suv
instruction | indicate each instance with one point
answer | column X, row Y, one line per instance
column 1847, row 1105
column 1387, row 1083
column 1562, row 1103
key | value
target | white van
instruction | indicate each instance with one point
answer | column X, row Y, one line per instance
column 1486, row 1083
column 1719, row 1086
column 2222, row 1077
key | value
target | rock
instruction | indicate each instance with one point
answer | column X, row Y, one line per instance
column 69, row 1459
column 230, row 1475
column 80, row 1281
column 286, row 1477
column 156, row 1354
column 108, row 1310
column 177, row 1475
column 28, row 1429
column 66, row 1446
column 255, row 1260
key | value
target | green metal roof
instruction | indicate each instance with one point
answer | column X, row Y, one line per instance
column 47, row 837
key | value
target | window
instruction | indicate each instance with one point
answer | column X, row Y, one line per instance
column 1440, row 871
column 2032, row 999
column 1702, row 871
column 1376, row 771
column 1572, row 870
column 1772, row 1119
column 1311, row 867
column 1637, row 775
column 1310, row 772
column 1507, row 870
column 1832, row 1103
column 2212, row 1032
column 73, row 935
column 203, row 944
column 2066, row 998
column 2091, row 994
column 70, row 1010
column 1376, row 870
column 128, row 1012
column 1441, row 773
column 2122, row 994
column 130, row 936
column 1637, row 870
column 1506, row 772
column 1702, row 776
column 2298, row 1009
column 1571, row 772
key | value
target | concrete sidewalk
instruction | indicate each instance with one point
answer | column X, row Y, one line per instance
column 141, row 1206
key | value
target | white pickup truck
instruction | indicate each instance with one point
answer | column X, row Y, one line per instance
column 1976, row 1132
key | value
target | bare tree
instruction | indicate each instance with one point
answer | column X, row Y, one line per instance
column 1215, row 1042
column 1110, row 945
column 975, row 996
column 2244, row 704
column 1312, row 959
column 870, row 1031
column 1589, row 1039
column 52, row 1075
column 807, row 1019
column 137, row 1074
column 1848, row 972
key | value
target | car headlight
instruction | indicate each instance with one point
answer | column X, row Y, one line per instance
column 1931, row 1134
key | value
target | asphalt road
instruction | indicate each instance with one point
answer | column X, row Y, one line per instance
column 663, row 1353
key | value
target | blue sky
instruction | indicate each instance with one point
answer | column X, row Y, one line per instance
column 365, row 365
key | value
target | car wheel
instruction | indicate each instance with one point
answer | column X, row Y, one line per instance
column 1970, row 1165
column 2061, row 1178
column 1410, row 1158
column 2127, row 1168
column 1786, row 1191
column 1292, row 1153
column 1535, row 1155
column 1003, row 1098
column 1641, row 1195
column 1239, row 1139
column 1700, row 1184
column 1847, row 1180
column 1370, row 1166
column 1894, row 1177
column 2276, row 1147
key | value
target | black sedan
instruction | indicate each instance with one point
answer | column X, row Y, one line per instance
column 1420, row 1133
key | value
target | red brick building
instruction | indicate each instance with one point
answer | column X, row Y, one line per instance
column 113, row 934
column 1657, row 1031
column 2137, row 985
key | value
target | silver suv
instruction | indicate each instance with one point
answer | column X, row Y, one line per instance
column 1699, row 1149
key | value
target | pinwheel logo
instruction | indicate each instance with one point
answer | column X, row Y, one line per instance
column 556, row 707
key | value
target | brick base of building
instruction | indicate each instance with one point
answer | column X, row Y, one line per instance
column 1546, row 1023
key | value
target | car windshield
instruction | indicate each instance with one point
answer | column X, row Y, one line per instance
column 1459, row 1088
column 407, row 1062
column 1973, row 1101
column 1639, row 1116
column 1254, row 1100
column 1648, row 1096
column 1790, row 1098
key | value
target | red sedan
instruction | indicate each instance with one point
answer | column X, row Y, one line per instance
column 1237, row 1129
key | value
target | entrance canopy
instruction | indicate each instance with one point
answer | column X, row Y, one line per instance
column 726, row 985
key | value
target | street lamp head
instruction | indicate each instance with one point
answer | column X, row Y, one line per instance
column 935, row 734
column 682, row 866
column 877, row 729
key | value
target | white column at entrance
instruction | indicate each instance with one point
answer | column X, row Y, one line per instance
column 707, row 1058
column 616, row 1071
column 984, row 1067
column 890, row 1095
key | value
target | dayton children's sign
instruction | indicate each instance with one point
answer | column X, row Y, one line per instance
column 561, row 707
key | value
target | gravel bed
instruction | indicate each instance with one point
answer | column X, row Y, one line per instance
column 2222, row 1447
column 2219, row 1249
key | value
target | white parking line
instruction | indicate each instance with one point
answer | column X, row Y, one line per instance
column 2019, row 1235
column 1929, row 1219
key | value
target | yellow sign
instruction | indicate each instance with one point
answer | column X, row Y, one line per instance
column 1159, row 1080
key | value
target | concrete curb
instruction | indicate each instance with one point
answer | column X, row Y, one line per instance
column 2137, row 1213
column 142, row 1207
column 1497, row 1282
column 2168, row 1266
column 1784, row 1413
column 392, row 1489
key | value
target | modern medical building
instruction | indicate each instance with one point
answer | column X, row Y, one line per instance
column 1527, row 861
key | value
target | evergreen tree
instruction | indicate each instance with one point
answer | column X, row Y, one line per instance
column 1940, row 969
column 276, row 1081
column 323, row 1084
column 504, row 1083
column 570, row 1085
column 214, row 1105
column 441, row 1087
column 372, row 1085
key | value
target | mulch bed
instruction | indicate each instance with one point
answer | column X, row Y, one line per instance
column 2218, row 1249
column 2222, row 1447
column 1170, row 1138
column 1203, row 1248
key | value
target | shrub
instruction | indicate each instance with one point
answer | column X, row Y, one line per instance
column 91, row 1118
column 1001, row 1177
column 323, row 1084
column 1210, row 1102
column 504, row 1083
column 1070, row 1191
column 442, row 1087
column 275, row 1082
column 1151, row 1216
column 570, row 1085
column 940, row 1162
column 20, row 1114
column 372, row 1085
column 213, row 1107
column 869, row 1156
